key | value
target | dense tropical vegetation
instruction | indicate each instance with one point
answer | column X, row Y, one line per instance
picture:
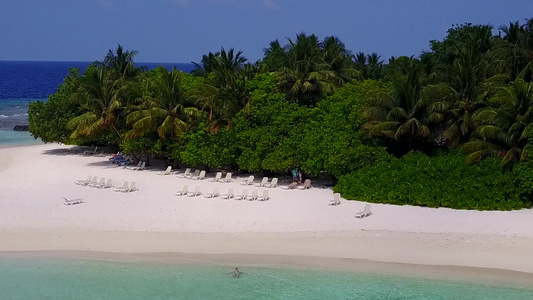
column 451, row 127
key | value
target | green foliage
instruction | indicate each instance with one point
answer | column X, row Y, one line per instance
column 440, row 181
column 48, row 120
column 333, row 141
column 209, row 149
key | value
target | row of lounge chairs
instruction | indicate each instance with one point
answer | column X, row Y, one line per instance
column 102, row 184
column 264, row 182
column 229, row 195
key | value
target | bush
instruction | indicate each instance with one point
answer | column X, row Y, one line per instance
column 440, row 181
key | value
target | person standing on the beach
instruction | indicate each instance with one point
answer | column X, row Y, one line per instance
column 300, row 175
column 294, row 175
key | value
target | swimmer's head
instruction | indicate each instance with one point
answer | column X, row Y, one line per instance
column 236, row 269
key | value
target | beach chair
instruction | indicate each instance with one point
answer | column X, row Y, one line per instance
column 124, row 187
column 213, row 194
column 167, row 171
column 186, row 173
column 134, row 167
column 195, row 193
column 307, row 185
column 132, row 188
column 290, row 186
column 253, row 196
column 200, row 177
column 227, row 179
column 365, row 213
column 140, row 168
column 84, row 182
column 336, row 199
column 183, row 192
column 242, row 196
column 73, row 201
column 262, row 183
column 228, row 195
column 217, row 177
column 90, row 152
column 97, row 185
column 264, row 197
column 195, row 174
column 109, row 184
column 92, row 182
column 248, row 181
column 273, row 183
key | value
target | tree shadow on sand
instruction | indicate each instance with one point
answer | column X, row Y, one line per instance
column 76, row 150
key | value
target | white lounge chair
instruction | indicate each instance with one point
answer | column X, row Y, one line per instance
column 242, row 196
column 196, row 192
column 183, row 192
column 307, row 185
column 195, row 174
column 97, row 185
column 167, row 171
column 73, row 201
column 254, row 195
column 84, row 182
column 248, row 181
column 90, row 152
column 109, row 184
column 273, row 183
column 124, row 187
column 262, row 183
column 140, row 168
column 200, row 177
column 133, row 167
column 336, row 199
column 365, row 213
column 186, row 173
column 132, row 188
column 217, row 177
column 264, row 197
column 227, row 179
column 213, row 194
column 290, row 186
column 228, row 195
column 93, row 182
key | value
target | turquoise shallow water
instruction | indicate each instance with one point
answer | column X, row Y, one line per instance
column 54, row 278
column 8, row 137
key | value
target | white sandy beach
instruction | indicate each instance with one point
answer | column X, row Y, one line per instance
column 295, row 223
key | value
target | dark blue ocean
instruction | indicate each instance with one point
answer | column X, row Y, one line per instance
column 22, row 82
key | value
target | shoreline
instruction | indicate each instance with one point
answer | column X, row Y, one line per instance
column 297, row 227
column 458, row 274
column 452, row 250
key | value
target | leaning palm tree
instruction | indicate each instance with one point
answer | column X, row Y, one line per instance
column 164, row 108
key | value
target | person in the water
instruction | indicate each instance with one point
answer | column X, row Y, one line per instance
column 236, row 273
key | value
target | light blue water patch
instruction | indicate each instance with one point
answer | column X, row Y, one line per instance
column 40, row 278
column 9, row 137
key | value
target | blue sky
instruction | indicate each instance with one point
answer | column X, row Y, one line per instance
column 183, row 30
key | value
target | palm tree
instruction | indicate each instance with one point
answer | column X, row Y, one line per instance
column 102, row 99
column 338, row 58
column 305, row 77
column 398, row 114
column 223, row 93
column 164, row 108
column 504, row 128
column 274, row 57
column 120, row 63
